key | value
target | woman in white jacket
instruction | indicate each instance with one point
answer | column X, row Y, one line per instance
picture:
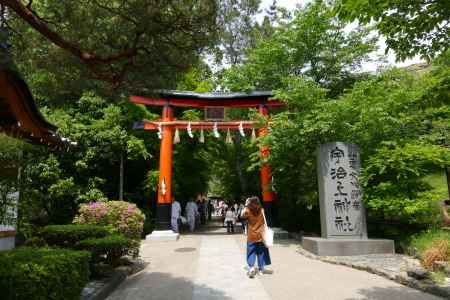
column 191, row 213
column 230, row 219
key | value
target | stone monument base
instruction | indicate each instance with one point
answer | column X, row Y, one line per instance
column 346, row 247
column 162, row 236
column 280, row 234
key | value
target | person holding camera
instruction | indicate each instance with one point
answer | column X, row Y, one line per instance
column 253, row 213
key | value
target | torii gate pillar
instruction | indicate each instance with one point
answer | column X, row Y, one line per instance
column 163, row 230
column 268, row 196
column 163, row 208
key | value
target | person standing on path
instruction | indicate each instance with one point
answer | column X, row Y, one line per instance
column 253, row 213
column 210, row 210
column 242, row 220
column 230, row 219
column 191, row 214
column 175, row 214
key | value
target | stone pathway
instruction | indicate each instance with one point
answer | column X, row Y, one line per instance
column 221, row 276
column 391, row 266
column 209, row 265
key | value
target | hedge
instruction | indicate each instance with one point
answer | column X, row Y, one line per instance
column 67, row 236
column 111, row 247
column 43, row 274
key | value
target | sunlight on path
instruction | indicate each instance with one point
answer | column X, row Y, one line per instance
column 220, row 268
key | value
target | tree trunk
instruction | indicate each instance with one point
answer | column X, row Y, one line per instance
column 238, row 165
column 121, row 177
column 447, row 173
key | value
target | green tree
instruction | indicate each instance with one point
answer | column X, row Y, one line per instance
column 398, row 118
column 411, row 27
column 57, row 180
column 312, row 44
column 80, row 45
column 237, row 23
column 10, row 172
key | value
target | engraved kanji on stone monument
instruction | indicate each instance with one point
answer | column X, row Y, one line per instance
column 342, row 211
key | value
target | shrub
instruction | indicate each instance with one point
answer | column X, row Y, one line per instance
column 439, row 251
column 123, row 217
column 396, row 185
column 51, row 274
column 424, row 240
column 113, row 247
column 67, row 236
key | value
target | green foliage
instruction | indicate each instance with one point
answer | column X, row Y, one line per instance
column 140, row 43
column 112, row 247
column 420, row 242
column 237, row 29
column 439, row 277
column 49, row 192
column 29, row 273
column 122, row 217
column 398, row 118
column 230, row 168
column 197, row 79
column 67, row 236
column 188, row 159
column 103, row 242
column 411, row 27
column 55, row 182
column 312, row 44
column 10, row 156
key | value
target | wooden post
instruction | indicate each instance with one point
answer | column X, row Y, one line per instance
column 163, row 208
column 268, row 196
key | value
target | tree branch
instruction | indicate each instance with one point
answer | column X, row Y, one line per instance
column 93, row 60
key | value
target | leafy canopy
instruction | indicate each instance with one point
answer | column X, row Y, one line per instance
column 411, row 27
column 312, row 43
column 132, row 44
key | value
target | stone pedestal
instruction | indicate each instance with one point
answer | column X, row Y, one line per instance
column 162, row 236
column 345, row 247
column 280, row 234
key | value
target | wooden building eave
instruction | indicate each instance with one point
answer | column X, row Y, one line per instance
column 19, row 114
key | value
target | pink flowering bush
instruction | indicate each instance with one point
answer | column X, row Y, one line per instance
column 120, row 216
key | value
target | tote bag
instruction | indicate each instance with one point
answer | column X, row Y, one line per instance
column 268, row 234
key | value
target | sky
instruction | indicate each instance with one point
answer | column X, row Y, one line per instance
column 370, row 66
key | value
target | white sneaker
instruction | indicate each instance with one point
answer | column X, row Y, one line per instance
column 252, row 272
column 267, row 271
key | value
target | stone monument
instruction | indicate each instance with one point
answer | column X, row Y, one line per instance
column 342, row 213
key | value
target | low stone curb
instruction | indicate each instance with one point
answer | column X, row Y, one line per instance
column 101, row 289
column 427, row 286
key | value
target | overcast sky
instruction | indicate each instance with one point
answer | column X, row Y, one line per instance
column 291, row 5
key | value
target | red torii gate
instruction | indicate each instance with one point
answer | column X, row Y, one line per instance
column 169, row 99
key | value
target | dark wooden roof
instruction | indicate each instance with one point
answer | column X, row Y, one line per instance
column 195, row 99
column 19, row 114
column 173, row 94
